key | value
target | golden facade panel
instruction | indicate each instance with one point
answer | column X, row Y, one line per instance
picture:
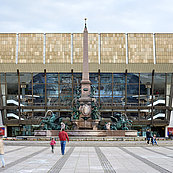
column 30, row 48
column 58, row 48
column 140, row 48
column 113, row 48
column 77, row 48
column 7, row 48
column 93, row 48
column 164, row 48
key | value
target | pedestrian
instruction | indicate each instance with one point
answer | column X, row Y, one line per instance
column 63, row 136
column 2, row 151
column 52, row 143
column 154, row 139
column 148, row 136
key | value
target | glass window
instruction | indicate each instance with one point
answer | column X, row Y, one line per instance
column 106, row 89
column 77, row 77
column 169, row 78
column 65, row 77
column 159, row 77
column 52, row 89
column 132, row 78
column 119, row 78
column 12, row 89
column 93, row 77
column 158, row 114
column 38, row 78
column 2, row 77
column 65, row 100
column 132, row 89
column 146, row 78
column 52, row 77
column 118, row 100
column 25, row 78
column 39, row 89
column 119, row 89
column 106, row 77
column 66, row 89
column 11, row 77
column 25, row 89
column 52, row 100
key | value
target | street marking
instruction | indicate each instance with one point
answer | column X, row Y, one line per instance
column 60, row 163
column 107, row 167
column 153, row 165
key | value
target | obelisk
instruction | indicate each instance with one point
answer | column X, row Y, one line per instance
column 85, row 100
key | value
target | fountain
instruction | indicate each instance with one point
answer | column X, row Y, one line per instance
column 85, row 115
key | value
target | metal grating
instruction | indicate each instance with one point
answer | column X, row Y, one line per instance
column 107, row 167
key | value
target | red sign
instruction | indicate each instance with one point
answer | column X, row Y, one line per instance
column 2, row 131
column 170, row 131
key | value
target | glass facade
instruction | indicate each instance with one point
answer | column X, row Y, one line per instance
column 143, row 97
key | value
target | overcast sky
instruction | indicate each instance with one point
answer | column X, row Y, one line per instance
column 102, row 15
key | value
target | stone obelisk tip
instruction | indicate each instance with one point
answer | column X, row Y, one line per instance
column 85, row 22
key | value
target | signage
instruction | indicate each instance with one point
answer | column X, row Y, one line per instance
column 2, row 131
column 170, row 131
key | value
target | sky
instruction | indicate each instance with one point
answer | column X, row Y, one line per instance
column 103, row 16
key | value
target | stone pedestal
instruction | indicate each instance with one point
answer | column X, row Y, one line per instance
column 85, row 125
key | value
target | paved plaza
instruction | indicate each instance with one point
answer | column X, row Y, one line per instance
column 97, row 157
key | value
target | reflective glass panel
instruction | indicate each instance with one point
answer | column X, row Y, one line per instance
column 132, row 89
column 93, row 77
column 25, row 78
column 146, row 78
column 12, row 77
column 52, row 89
column 106, row 89
column 106, row 77
column 119, row 78
column 2, row 77
column 118, row 89
column 66, row 89
column 52, row 77
column 132, row 78
column 12, row 88
column 77, row 77
column 65, row 77
column 39, row 89
column 159, row 77
column 169, row 78
column 38, row 78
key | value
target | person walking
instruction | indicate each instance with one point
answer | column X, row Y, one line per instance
column 52, row 143
column 2, row 151
column 148, row 136
column 154, row 140
column 63, row 136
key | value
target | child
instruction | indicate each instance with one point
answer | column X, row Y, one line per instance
column 154, row 140
column 52, row 143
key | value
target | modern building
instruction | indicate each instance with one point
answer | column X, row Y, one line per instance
column 132, row 74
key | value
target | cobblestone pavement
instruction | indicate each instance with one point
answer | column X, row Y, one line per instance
column 88, row 159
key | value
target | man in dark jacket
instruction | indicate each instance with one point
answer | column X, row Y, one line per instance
column 148, row 136
column 63, row 136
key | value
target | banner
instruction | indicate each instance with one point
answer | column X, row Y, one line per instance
column 170, row 131
column 2, row 131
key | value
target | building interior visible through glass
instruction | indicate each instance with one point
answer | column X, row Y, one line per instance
column 145, row 95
